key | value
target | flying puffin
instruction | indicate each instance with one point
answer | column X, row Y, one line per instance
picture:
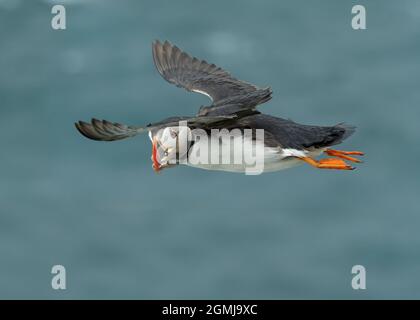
column 234, row 106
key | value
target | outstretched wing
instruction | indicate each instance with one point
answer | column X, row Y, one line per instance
column 103, row 130
column 106, row 131
column 179, row 68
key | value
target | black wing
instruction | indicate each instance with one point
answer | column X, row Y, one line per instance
column 284, row 133
column 103, row 130
column 179, row 68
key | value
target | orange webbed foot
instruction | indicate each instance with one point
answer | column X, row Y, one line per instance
column 331, row 163
column 328, row 163
column 345, row 154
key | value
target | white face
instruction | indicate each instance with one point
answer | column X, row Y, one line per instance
column 169, row 144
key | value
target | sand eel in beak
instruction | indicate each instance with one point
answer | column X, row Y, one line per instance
column 233, row 107
column 156, row 164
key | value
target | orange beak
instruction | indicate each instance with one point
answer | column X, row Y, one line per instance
column 156, row 164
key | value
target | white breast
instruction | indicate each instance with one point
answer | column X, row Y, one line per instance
column 274, row 159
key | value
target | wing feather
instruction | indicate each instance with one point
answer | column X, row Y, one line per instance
column 106, row 131
column 192, row 74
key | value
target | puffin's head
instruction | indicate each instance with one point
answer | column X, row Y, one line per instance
column 169, row 145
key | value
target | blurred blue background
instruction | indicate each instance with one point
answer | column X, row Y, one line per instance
column 123, row 231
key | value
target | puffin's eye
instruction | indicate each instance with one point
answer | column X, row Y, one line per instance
column 174, row 134
column 166, row 153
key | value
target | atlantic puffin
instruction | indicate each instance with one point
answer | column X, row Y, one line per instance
column 284, row 143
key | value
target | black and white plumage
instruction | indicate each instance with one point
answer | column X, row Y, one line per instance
column 234, row 104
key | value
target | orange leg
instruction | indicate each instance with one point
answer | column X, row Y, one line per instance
column 329, row 163
column 344, row 154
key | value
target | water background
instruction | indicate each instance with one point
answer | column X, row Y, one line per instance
column 122, row 231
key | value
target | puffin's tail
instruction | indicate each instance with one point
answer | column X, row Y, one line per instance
column 106, row 131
